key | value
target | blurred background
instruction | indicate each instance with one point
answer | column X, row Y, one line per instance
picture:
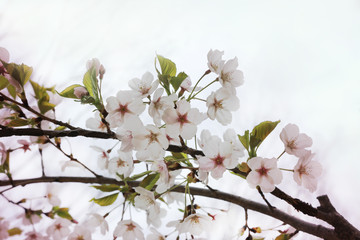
column 300, row 61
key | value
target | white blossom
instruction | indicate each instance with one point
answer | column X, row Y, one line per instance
column 307, row 171
column 59, row 229
column 264, row 173
column 159, row 104
column 80, row 232
column 99, row 68
column 144, row 86
column 35, row 236
column 150, row 143
column 194, row 224
column 215, row 62
column 186, row 85
column 294, row 142
column 220, row 103
column 229, row 76
column 231, row 137
column 96, row 220
column 4, row 227
column 95, row 123
column 183, row 120
column 52, row 195
column 124, row 109
column 126, row 137
column 103, row 158
column 155, row 235
column 123, row 164
column 128, row 230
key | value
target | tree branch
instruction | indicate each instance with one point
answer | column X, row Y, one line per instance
column 316, row 230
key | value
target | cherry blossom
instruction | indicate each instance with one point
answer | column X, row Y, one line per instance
column 125, row 136
column 123, row 164
column 95, row 123
column 30, row 219
column 25, row 144
column 307, row 171
column 52, row 195
column 159, row 104
column 96, row 220
column 80, row 232
column 264, row 173
column 220, row 103
column 155, row 235
column 230, row 77
column 5, row 56
column 231, row 137
column 218, row 157
column 35, row 236
column 103, row 158
column 128, row 230
column 167, row 178
column 186, row 85
column 124, row 108
column 215, row 62
column 4, row 227
column 145, row 86
column 80, row 92
column 146, row 201
column 150, row 143
column 294, row 142
column 194, row 224
column 183, row 120
column 59, row 229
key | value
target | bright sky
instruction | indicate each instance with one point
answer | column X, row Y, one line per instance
column 300, row 60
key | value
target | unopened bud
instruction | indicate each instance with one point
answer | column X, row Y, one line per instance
column 79, row 92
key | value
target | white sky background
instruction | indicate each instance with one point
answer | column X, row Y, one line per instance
column 300, row 59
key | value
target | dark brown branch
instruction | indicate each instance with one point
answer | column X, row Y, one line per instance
column 316, row 230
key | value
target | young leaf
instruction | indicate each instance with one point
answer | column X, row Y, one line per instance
column 260, row 132
column 3, row 82
column 245, row 139
column 283, row 237
column 150, row 181
column 69, row 91
column 91, row 83
column 107, row 200
column 176, row 81
column 167, row 66
column 40, row 92
column 137, row 176
column 12, row 90
column 107, row 187
column 45, row 106
column 18, row 122
column 62, row 212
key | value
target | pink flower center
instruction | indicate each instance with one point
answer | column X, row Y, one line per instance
column 302, row 170
column 58, row 226
column 291, row 144
column 123, row 109
column 194, row 219
column 262, row 171
column 217, row 104
column 153, row 137
column 182, row 119
column 130, row 227
column 218, row 160
column 120, row 163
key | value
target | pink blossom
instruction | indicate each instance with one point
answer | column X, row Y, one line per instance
column 307, row 171
column 183, row 120
column 128, row 230
column 123, row 164
column 96, row 220
column 264, row 173
column 220, row 103
column 103, row 158
column 194, row 224
column 218, row 157
column 125, row 136
column 186, row 85
column 294, row 142
column 25, row 144
column 52, row 195
column 80, row 232
column 35, row 236
column 4, row 227
column 99, row 68
column 80, row 92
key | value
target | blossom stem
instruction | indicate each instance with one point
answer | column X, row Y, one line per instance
column 206, row 73
column 281, row 154
column 203, row 89
column 289, row 170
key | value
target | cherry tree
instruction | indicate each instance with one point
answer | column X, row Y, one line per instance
column 157, row 153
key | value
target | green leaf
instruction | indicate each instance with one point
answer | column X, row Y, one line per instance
column 45, row 106
column 14, row 231
column 260, row 132
column 176, row 81
column 3, row 82
column 18, row 122
column 62, row 212
column 5, row 166
column 283, row 237
column 150, row 181
column 137, row 176
column 21, row 73
column 106, row 201
column 179, row 155
column 40, row 91
column 12, row 90
column 245, row 139
column 69, row 91
column 107, row 187
column 91, row 83
column 167, row 66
